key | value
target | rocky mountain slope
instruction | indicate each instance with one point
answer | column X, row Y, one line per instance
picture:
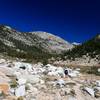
column 52, row 43
column 86, row 53
column 28, row 81
column 15, row 43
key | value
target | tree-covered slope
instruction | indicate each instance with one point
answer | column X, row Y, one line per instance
column 90, row 48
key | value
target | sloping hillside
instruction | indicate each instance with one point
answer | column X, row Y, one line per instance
column 37, row 45
column 90, row 48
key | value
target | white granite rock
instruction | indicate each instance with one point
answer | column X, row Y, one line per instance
column 20, row 91
column 98, row 83
column 90, row 91
column 60, row 82
column 32, row 78
column 99, row 70
column 2, row 61
column 21, row 81
column 42, row 81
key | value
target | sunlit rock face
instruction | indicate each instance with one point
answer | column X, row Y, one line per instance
column 52, row 42
column 10, row 39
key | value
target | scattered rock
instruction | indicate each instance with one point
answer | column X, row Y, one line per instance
column 24, row 81
column 32, row 79
column 90, row 91
column 98, row 83
column 2, row 61
column 4, row 87
column 97, row 94
column 60, row 82
column 71, row 98
column 21, row 81
column 20, row 91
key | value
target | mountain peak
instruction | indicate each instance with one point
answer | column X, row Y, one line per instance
column 30, row 43
column 75, row 43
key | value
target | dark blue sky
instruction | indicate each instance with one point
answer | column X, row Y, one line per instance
column 73, row 20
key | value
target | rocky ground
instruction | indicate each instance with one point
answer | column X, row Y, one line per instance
column 86, row 61
column 25, row 81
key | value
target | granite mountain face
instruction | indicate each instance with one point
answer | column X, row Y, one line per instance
column 31, row 43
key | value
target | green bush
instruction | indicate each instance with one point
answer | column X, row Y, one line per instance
column 13, row 84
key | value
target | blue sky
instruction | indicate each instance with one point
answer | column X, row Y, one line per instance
column 73, row 20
